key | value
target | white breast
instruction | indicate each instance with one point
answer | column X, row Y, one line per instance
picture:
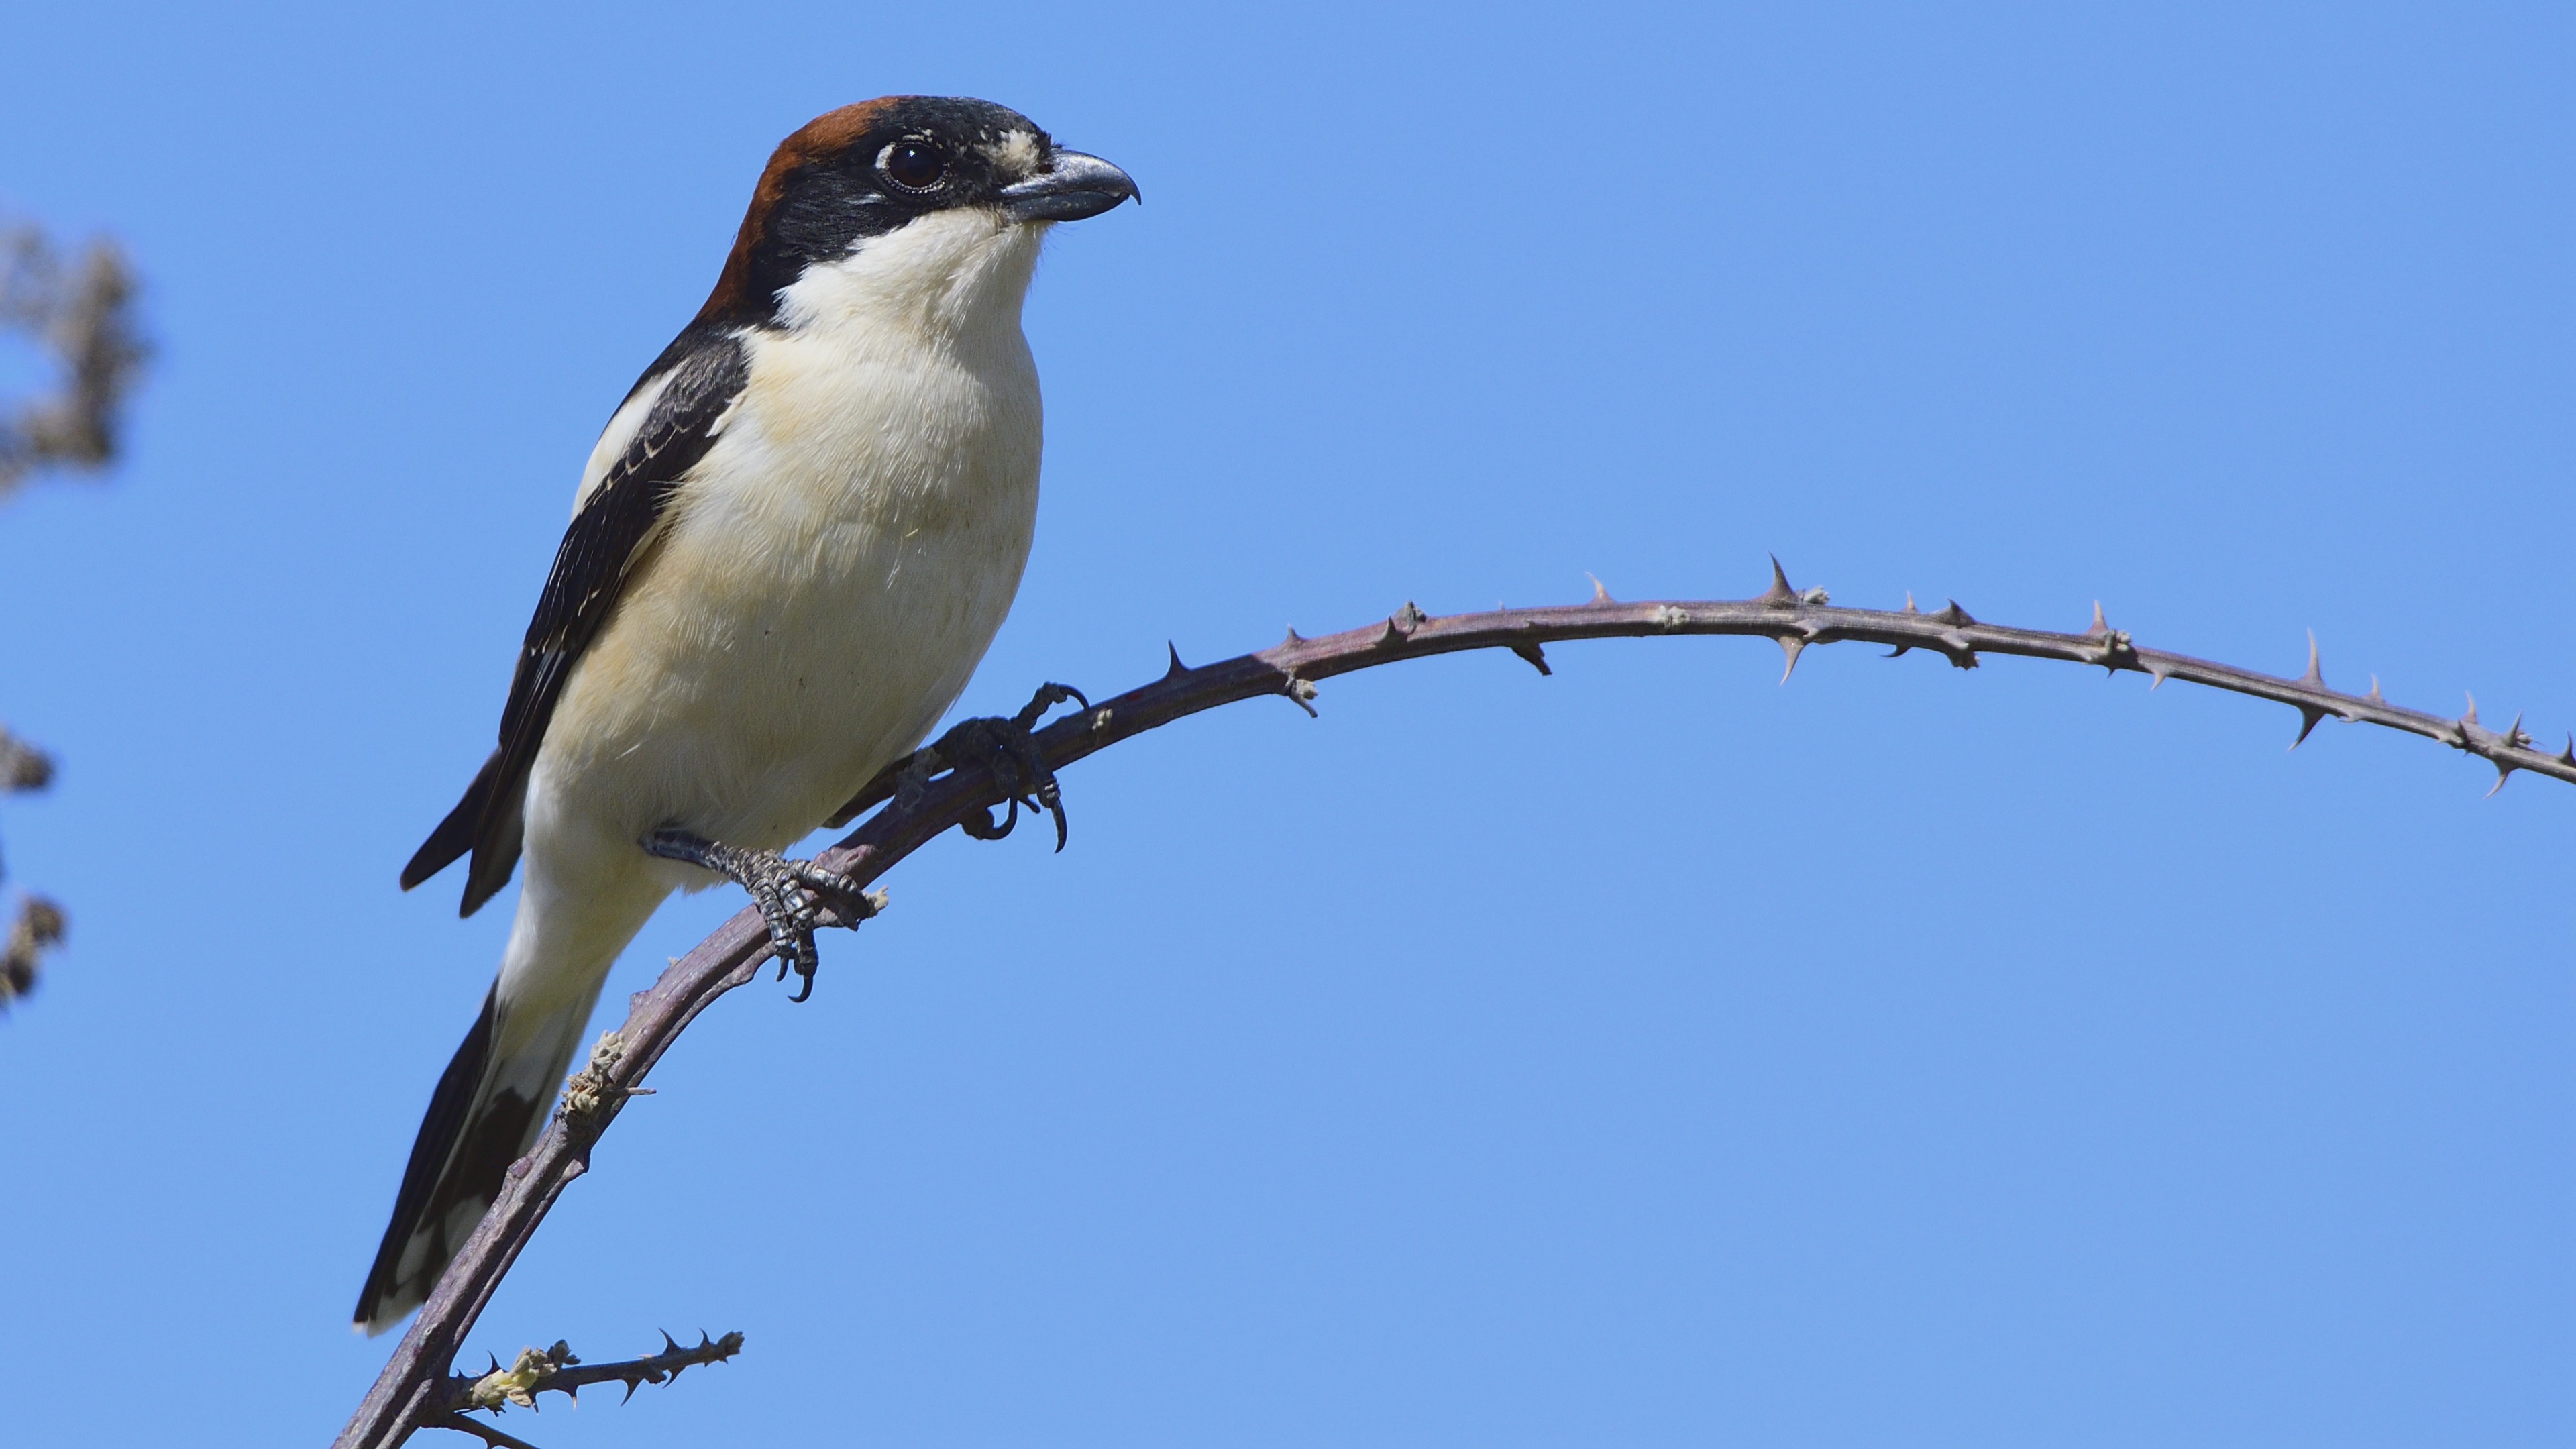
column 833, row 569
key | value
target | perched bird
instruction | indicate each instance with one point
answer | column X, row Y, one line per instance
column 793, row 542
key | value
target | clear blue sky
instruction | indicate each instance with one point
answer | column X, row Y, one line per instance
column 1646, row 1055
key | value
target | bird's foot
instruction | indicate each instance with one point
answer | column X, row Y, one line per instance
column 1007, row 747
column 794, row 896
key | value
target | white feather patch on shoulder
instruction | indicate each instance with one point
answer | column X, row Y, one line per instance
column 621, row 429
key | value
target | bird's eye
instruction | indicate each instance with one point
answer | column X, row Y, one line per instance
column 912, row 166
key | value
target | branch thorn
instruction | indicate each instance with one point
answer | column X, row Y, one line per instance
column 1953, row 614
column 2375, row 697
column 1779, row 595
column 2101, row 626
column 1909, row 603
column 1790, row 645
column 2309, row 715
column 1600, row 595
column 1293, row 637
column 1176, row 671
column 1529, row 650
column 2315, row 676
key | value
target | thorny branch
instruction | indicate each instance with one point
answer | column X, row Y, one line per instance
column 408, row 1393
column 557, row 1370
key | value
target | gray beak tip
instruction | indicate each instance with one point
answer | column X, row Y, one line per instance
column 1074, row 186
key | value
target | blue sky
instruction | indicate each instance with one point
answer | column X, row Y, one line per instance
column 1645, row 1055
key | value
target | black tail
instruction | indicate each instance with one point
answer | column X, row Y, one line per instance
column 487, row 822
column 461, row 1157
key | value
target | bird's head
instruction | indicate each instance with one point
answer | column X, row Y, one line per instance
column 928, row 183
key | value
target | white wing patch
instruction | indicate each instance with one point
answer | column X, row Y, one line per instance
column 613, row 439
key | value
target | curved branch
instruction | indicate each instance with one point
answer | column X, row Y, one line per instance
column 409, row 1392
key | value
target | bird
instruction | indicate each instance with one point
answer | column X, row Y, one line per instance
column 789, row 549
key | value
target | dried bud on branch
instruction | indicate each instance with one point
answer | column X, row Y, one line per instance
column 558, row 1370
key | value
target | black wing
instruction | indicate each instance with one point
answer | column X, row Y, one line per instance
column 598, row 551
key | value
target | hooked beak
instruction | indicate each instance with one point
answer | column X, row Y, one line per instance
column 1072, row 187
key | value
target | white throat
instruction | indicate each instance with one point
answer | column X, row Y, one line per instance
column 947, row 278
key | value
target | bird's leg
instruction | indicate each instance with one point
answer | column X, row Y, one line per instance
column 1008, row 748
column 791, row 894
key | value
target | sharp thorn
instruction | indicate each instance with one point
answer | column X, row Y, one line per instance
column 1293, row 637
column 1407, row 619
column 2315, row 675
column 2504, row 772
column 1530, row 651
column 1953, row 614
column 1178, row 668
column 1779, row 595
column 1909, row 602
column 1600, row 595
column 2472, row 716
column 2309, row 715
column 2513, row 735
column 2101, row 626
column 2375, row 696
column 1899, row 649
column 1790, row 645
column 2158, row 673
column 2568, row 756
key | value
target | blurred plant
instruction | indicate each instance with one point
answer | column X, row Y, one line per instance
column 39, row 927
column 82, row 316
column 40, row 922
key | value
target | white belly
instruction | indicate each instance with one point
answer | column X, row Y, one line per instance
column 830, row 575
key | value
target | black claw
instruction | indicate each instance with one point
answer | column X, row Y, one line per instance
column 1007, row 748
column 789, row 894
column 1053, row 799
column 1049, row 695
